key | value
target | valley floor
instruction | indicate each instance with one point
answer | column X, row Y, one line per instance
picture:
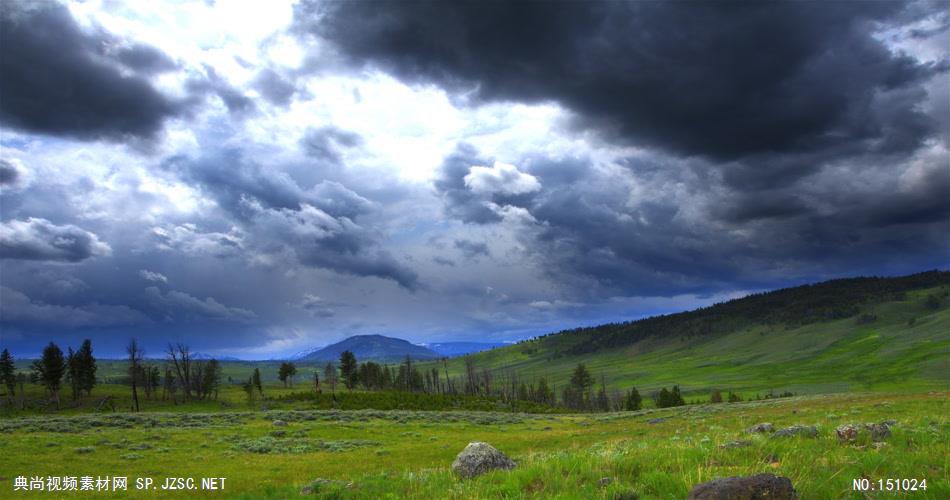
column 400, row 454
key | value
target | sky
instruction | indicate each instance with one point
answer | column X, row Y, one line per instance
column 256, row 179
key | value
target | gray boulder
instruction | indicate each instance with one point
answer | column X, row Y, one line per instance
column 739, row 443
column 797, row 430
column 279, row 423
column 478, row 458
column 759, row 486
column 879, row 432
column 847, row 432
column 763, row 427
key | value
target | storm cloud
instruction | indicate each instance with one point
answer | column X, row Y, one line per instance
column 440, row 171
column 725, row 80
column 40, row 239
column 55, row 79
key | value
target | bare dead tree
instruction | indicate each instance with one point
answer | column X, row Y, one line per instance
column 180, row 356
column 135, row 366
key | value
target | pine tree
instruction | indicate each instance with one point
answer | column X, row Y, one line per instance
column 676, row 399
column 73, row 371
column 8, row 374
column 211, row 378
column 87, row 367
column 283, row 373
column 348, row 369
column 663, row 398
column 256, row 381
column 633, row 401
column 49, row 370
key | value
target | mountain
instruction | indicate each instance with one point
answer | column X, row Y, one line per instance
column 371, row 348
column 203, row 356
column 450, row 349
column 842, row 335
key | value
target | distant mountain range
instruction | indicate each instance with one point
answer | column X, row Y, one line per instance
column 450, row 349
column 370, row 348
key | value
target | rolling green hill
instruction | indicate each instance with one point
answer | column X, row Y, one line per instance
column 843, row 335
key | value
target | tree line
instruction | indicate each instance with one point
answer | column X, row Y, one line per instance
column 77, row 368
column 181, row 377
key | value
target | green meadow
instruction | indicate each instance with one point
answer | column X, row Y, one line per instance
column 405, row 454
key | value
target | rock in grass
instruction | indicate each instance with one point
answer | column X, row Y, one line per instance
column 279, row 423
column 879, row 432
column 478, row 458
column 797, row 430
column 759, row 486
column 740, row 443
column 847, row 432
column 763, row 427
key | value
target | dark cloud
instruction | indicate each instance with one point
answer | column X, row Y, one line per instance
column 19, row 310
column 317, row 226
column 442, row 261
column 54, row 80
column 683, row 232
column 274, row 87
column 724, row 80
column 40, row 239
column 177, row 305
column 471, row 249
column 212, row 83
column 9, row 173
column 145, row 59
column 316, row 306
column 328, row 143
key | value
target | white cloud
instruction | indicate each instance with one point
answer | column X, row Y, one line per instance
column 502, row 178
column 153, row 276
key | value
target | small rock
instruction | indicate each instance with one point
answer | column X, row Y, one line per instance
column 763, row 427
column 878, row 446
column 797, row 430
column 656, row 421
column 478, row 458
column 890, row 422
column 604, row 482
column 847, row 432
column 879, row 432
column 279, row 423
column 741, row 443
column 759, row 486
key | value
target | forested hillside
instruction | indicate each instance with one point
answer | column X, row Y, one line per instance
column 848, row 334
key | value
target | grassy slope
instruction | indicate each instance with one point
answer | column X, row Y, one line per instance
column 829, row 356
column 560, row 456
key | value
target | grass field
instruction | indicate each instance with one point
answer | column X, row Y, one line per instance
column 393, row 454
